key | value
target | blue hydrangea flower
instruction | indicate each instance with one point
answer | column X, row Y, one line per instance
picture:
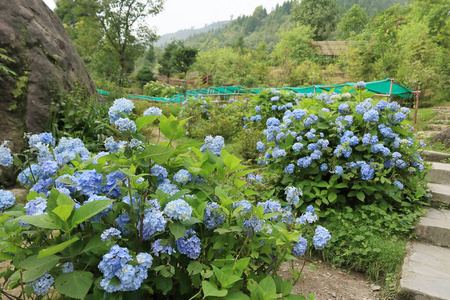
column 271, row 206
column 304, row 162
column 398, row 184
column 343, row 150
column 113, row 261
column 43, row 138
column 311, row 119
column 316, row 155
column 7, row 199
column 257, row 108
column 66, row 181
column 321, row 237
column 120, row 106
column 289, row 169
column 297, row 147
column 36, row 206
column 189, row 244
column 6, row 158
column 398, row 117
column 381, row 105
column 343, row 108
column 213, row 215
column 400, row 163
column 44, row 153
column 183, row 176
column 371, row 116
column 114, row 147
column 293, row 195
column 43, row 186
column 246, row 206
column 275, row 98
column 122, row 221
column 109, row 233
column 153, row 111
column 159, row 172
column 48, row 168
column 178, row 210
column 360, row 85
column 145, row 260
column 30, row 175
column 214, row 144
column 311, row 134
column 167, row 187
column 350, row 138
column 338, row 170
column 67, row 150
column 113, row 183
column 277, row 153
column 272, row 122
column 360, row 108
column 393, row 106
column 255, row 118
column 153, row 222
column 300, row 247
column 324, row 167
column 307, row 217
column 299, row 114
column 67, row 267
column 158, row 248
column 42, row 285
column 260, row 147
column 89, row 182
column 125, row 125
column 380, row 148
column 367, row 172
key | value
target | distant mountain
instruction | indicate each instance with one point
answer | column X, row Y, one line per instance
column 185, row 33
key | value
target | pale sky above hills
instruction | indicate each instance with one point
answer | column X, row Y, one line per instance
column 184, row 14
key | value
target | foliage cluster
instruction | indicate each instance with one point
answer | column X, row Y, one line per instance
column 158, row 89
column 148, row 220
column 342, row 149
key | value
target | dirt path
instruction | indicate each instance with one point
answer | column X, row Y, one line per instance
column 331, row 284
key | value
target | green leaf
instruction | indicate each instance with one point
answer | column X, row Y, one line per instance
column 164, row 284
column 74, row 284
column 332, row 197
column 143, row 121
column 361, row 196
column 57, row 248
column 63, row 211
column 177, row 230
column 159, row 154
column 286, row 287
column 64, row 200
column 194, row 267
column 268, row 286
column 88, row 210
column 36, row 267
column 237, row 296
column 44, row 221
column 96, row 246
column 210, row 289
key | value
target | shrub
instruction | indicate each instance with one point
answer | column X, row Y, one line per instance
column 145, row 75
column 148, row 220
column 342, row 149
column 157, row 89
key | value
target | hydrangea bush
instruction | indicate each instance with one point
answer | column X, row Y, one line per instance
column 341, row 148
column 148, row 220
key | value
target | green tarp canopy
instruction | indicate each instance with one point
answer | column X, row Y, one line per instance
column 382, row 87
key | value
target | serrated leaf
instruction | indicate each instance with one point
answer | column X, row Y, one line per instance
column 177, row 230
column 96, row 246
column 63, row 211
column 43, row 221
column 75, row 284
column 36, row 267
column 88, row 210
column 159, row 154
column 195, row 267
column 210, row 289
column 57, row 248
column 143, row 121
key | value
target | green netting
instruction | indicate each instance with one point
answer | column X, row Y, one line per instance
column 378, row 87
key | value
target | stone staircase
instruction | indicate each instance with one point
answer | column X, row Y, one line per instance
column 426, row 268
column 436, row 124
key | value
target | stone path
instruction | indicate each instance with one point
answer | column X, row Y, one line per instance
column 426, row 268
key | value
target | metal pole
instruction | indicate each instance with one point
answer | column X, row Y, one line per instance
column 416, row 107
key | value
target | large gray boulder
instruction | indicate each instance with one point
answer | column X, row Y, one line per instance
column 442, row 137
column 46, row 63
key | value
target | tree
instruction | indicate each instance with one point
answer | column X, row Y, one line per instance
column 318, row 14
column 145, row 75
column 177, row 58
column 353, row 22
column 124, row 28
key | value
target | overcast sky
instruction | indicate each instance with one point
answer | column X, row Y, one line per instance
column 184, row 14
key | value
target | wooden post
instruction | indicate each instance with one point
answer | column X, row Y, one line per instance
column 390, row 90
column 314, row 90
column 416, row 106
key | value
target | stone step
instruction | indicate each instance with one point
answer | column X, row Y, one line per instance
column 434, row 156
column 441, row 194
column 440, row 173
column 437, row 127
column 434, row 228
column 426, row 272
